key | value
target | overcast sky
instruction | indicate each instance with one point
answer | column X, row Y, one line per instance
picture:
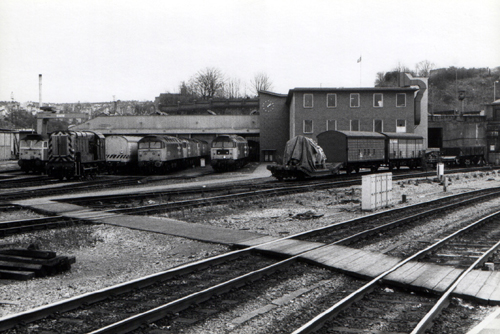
column 94, row 51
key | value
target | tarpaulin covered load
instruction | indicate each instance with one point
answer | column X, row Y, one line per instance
column 303, row 152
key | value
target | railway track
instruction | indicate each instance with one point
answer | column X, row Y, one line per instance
column 129, row 297
column 484, row 250
column 37, row 189
column 33, row 224
column 199, row 196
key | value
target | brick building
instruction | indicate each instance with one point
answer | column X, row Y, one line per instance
column 310, row 111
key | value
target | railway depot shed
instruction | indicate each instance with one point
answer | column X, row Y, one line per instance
column 280, row 117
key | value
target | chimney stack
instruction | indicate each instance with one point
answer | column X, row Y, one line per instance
column 40, row 90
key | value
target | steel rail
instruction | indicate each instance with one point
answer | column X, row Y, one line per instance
column 72, row 303
column 303, row 186
column 426, row 322
column 127, row 325
column 319, row 321
column 134, row 322
column 96, row 296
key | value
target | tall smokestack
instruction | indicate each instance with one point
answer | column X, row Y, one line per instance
column 40, row 90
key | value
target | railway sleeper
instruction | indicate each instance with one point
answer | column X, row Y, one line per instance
column 40, row 263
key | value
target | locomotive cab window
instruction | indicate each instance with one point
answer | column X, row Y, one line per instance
column 155, row 144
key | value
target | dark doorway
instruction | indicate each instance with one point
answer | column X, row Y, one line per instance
column 435, row 136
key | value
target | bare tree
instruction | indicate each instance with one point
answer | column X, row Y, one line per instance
column 424, row 68
column 261, row 82
column 207, row 83
column 403, row 69
column 232, row 88
column 380, row 80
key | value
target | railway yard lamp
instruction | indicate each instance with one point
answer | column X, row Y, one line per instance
column 495, row 91
column 461, row 97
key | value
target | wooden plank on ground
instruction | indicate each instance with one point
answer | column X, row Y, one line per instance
column 406, row 274
column 294, row 247
column 345, row 255
column 433, row 275
column 17, row 275
column 20, row 266
column 489, row 286
column 495, row 293
column 448, row 280
column 466, row 282
column 382, row 265
column 320, row 255
column 329, row 254
column 37, row 254
column 479, row 282
column 368, row 259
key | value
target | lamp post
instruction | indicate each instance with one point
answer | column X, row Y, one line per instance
column 495, row 91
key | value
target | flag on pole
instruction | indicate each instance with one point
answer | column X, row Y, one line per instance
column 359, row 60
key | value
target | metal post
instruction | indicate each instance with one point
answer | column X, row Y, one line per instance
column 40, row 90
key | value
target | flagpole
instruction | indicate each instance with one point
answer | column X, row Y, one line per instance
column 360, row 61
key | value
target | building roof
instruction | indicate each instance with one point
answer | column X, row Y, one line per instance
column 272, row 93
column 349, row 89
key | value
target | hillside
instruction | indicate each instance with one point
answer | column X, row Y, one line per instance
column 477, row 84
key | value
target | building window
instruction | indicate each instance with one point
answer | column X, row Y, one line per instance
column 354, row 124
column 308, row 126
column 331, row 124
column 354, row 100
column 331, row 100
column 401, row 125
column 378, row 125
column 378, row 100
column 308, row 101
column 401, row 100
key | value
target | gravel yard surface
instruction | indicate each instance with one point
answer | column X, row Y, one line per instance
column 107, row 255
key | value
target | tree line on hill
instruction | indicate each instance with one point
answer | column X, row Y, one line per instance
column 476, row 85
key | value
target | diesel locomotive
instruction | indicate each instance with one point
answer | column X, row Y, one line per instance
column 229, row 152
column 76, row 154
column 121, row 153
column 33, row 153
column 161, row 154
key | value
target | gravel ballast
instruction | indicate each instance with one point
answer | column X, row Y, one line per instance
column 107, row 255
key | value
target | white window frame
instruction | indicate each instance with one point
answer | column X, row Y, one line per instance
column 304, row 126
column 350, row 100
column 400, row 106
column 334, row 122
column 350, row 124
column 382, row 121
column 381, row 100
column 304, row 101
column 328, row 95
column 399, row 128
